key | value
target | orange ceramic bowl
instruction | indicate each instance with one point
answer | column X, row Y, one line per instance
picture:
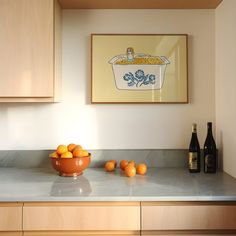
column 70, row 166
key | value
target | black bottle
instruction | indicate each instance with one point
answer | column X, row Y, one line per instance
column 210, row 152
column 194, row 154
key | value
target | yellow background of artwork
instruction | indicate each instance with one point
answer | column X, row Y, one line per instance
column 173, row 47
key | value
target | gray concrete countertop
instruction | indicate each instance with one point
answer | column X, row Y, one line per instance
column 160, row 184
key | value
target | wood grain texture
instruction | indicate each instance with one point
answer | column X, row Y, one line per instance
column 57, row 51
column 139, row 4
column 93, row 203
column 26, row 46
column 81, row 218
column 79, row 233
column 11, row 233
column 10, row 217
column 193, row 234
column 195, row 217
column 189, row 233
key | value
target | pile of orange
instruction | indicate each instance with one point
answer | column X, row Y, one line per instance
column 69, row 151
column 129, row 167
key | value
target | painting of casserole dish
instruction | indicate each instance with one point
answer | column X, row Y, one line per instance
column 138, row 71
column 139, row 68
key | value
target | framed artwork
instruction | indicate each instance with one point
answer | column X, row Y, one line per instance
column 139, row 68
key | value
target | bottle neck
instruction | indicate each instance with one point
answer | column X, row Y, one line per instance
column 209, row 129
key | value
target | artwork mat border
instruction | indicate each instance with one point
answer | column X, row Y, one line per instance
column 136, row 34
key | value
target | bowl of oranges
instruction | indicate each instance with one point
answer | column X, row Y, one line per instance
column 70, row 160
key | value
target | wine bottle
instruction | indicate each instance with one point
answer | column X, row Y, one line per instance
column 194, row 155
column 210, row 152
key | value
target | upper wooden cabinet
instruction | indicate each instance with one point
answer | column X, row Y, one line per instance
column 30, row 50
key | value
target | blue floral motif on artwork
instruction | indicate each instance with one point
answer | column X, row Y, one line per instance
column 139, row 79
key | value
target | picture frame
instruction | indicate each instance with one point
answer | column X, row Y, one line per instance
column 139, row 68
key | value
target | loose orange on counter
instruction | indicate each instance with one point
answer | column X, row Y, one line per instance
column 115, row 162
column 109, row 166
column 130, row 171
column 141, row 169
column 71, row 147
column 61, row 149
column 67, row 155
column 123, row 164
column 132, row 163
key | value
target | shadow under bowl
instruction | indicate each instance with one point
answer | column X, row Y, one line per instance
column 70, row 167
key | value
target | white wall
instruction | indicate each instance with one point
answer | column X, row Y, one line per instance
column 41, row 126
column 226, row 83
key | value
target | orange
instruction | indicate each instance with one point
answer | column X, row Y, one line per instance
column 141, row 169
column 78, row 147
column 54, row 155
column 85, row 153
column 80, row 153
column 109, row 166
column 61, row 149
column 67, row 155
column 130, row 171
column 123, row 164
column 132, row 163
column 115, row 162
column 71, row 147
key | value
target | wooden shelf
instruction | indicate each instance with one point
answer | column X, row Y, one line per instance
column 139, row 4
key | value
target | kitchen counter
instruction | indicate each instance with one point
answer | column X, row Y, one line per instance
column 160, row 184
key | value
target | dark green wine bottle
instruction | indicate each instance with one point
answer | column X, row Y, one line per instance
column 210, row 152
column 194, row 155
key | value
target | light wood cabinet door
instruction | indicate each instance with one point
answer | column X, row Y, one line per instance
column 27, row 46
column 179, row 234
column 10, row 217
column 187, row 216
column 11, row 234
column 79, row 233
column 81, row 216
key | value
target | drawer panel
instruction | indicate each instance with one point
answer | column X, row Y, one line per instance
column 81, row 217
column 188, row 217
column 11, row 234
column 10, row 217
column 82, row 233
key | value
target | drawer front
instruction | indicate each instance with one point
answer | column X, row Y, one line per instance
column 10, row 217
column 79, row 233
column 81, row 217
column 189, row 234
column 188, row 217
column 11, row 234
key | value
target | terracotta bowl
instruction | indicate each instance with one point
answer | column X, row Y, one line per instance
column 70, row 166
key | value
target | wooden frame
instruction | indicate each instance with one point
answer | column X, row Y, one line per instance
column 139, row 68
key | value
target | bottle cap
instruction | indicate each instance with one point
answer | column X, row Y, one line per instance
column 194, row 127
column 209, row 123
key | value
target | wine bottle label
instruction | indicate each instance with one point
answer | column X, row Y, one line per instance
column 192, row 161
column 209, row 162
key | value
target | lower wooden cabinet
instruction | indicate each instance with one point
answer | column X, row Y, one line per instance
column 193, row 234
column 10, row 218
column 81, row 216
column 118, row 218
column 188, row 216
column 79, row 233
column 11, row 233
